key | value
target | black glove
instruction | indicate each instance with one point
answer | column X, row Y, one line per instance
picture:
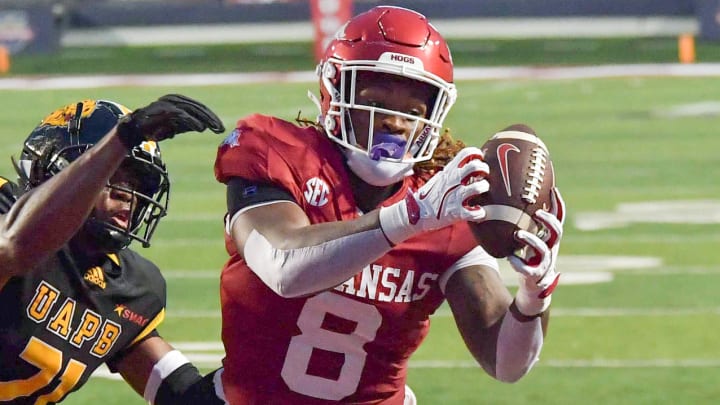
column 170, row 115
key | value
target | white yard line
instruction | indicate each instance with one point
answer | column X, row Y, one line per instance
column 444, row 312
column 470, row 73
column 214, row 361
column 210, row 354
column 581, row 363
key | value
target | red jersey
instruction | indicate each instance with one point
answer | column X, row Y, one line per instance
column 351, row 343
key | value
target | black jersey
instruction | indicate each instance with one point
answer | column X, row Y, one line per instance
column 67, row 317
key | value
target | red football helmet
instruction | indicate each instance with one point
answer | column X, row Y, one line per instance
column 389, row 40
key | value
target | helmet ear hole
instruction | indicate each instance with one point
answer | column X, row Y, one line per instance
column 329, row 71
column 329, row 123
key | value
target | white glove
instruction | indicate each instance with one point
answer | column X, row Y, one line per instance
column 536, row 269
column 442, row 201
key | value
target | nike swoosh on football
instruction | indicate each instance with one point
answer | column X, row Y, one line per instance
column 502, row 155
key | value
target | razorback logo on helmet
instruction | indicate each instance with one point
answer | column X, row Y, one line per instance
column 393, row 57
column 63, row 115
column 316, row 192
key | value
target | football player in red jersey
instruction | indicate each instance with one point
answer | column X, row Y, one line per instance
column 345, row 235
column 73, row 296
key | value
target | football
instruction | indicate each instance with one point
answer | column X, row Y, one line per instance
column 521, row 180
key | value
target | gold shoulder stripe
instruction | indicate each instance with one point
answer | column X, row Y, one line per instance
column 150, row 326
column 114, row 258
column 3, row 181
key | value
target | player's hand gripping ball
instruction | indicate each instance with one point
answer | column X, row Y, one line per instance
column 521, row 181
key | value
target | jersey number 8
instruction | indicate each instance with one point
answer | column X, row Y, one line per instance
column 294, row 371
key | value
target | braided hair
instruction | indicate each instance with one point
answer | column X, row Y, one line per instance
column 447, row 148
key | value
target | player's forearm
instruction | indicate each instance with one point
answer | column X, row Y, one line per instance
column 502, row 340
column 315, row 257
column 520, row 340
column 44, row 219
column 300, row 271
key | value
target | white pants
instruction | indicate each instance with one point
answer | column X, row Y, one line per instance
column 409, row 396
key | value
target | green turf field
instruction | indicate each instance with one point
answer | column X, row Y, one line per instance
column 646, row 334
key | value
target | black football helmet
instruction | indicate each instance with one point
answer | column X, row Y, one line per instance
column 66, row 134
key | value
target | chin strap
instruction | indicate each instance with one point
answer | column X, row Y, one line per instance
column 313, row 98
column 108, row 240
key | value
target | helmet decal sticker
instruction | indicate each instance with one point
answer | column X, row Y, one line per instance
column 62, row 116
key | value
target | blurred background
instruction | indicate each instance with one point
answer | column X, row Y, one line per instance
column 625, row 93
column 552, row 31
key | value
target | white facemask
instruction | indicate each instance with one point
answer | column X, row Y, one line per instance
column 379, row 173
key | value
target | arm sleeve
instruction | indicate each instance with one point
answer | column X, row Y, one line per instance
column 518, row 348
column 301, row 271
column 176, row 381
column 193, row 390
column 243, row 193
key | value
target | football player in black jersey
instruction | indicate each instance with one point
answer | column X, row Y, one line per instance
column 72, row 295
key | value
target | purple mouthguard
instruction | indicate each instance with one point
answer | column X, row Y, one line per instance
column 388, row 146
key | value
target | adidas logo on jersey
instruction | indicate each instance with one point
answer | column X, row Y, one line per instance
column 95, row 276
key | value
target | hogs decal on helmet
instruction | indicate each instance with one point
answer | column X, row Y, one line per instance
column 70, row 131
column 394, row 41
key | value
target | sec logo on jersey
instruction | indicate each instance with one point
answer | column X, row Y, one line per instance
column 316, row 192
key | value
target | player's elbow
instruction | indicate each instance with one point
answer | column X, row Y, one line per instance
column 279, row 269
column 284, row 288
column 279, row 279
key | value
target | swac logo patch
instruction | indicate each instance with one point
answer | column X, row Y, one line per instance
column 95, row 276
column 132, row 316
column 316, row 192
